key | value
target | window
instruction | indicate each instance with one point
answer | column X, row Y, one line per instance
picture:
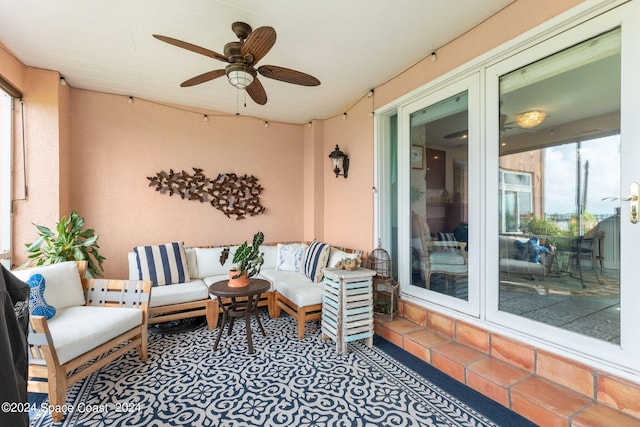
column 7, row 95
column 6, row 120
column 435, row 155
column 439, row 196
column 562, row 237
column 515, row 200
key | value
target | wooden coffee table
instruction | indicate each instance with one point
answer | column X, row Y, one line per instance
column 240, row 302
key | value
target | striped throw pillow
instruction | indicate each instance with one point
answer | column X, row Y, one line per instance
column 315, row 260
column 449, row 239
column 163, row 264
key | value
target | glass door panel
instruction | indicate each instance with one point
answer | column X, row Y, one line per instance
column 559, row 157
column 439, row 196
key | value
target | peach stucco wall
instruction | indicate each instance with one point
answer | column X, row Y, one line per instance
column 314, row 170
column 348, row 203
column 117, row 145
column 37, row 189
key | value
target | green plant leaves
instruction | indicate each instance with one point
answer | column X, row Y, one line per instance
column 248, row 258
column 72, row 243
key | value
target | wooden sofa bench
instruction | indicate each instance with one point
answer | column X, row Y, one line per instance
column 290, row 291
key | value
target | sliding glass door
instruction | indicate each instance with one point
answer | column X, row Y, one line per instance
column 437, row 148
column 509, row 192
column 562, row 149
column 559, row 157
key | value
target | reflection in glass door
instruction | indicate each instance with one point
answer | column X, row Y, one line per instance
column 559, row 241
column 439, row 197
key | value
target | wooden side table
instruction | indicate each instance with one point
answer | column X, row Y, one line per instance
column 235, row 308
column 347, row 307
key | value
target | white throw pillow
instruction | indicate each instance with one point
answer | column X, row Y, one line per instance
column 291, row 257
column 192, row 262
column 270, row 256
column 336, row 255
column 208, row 260
column 64, row 287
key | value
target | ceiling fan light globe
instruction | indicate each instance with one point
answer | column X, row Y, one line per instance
column 240, row 76
column 240, row 79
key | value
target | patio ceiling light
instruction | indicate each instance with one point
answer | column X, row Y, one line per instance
column 530, row 119
column 240, row 75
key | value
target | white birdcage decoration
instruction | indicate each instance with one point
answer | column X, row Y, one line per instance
column 385, row 289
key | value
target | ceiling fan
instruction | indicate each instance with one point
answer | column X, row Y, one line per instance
column 242, row 57
column 504, row 127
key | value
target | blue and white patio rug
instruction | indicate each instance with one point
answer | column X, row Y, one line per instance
column 286, row 382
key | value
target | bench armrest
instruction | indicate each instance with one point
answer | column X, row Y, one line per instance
column 41, row 346
column 117, row 293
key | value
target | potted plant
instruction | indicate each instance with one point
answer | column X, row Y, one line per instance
column 72, row 243
column 247, row 262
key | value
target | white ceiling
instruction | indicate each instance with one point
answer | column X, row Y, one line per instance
column 350, row 46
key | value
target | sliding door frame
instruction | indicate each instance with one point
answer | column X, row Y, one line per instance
column 589, row 18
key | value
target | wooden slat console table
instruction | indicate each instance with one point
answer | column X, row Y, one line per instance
column 347, row 307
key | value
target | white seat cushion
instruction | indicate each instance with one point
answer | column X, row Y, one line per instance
column 77, row 330
column 518, row 266
column 296, row 287
column 448, row 268
column 302, row 295
column 270, row 256
column 208, row 261
column 178, row 293
column 210, row 280
column 63, row 286
column 444, row 257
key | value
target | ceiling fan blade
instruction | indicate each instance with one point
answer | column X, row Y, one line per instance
column 205, row 77
column 256, row 92
column 259, row 43
column 191, row 47
column 287, row 75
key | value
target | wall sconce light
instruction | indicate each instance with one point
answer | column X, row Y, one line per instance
column 340, row 162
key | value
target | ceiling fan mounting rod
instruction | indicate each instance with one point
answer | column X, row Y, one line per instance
column 241, row 30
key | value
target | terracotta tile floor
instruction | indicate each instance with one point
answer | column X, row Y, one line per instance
column 509, row 376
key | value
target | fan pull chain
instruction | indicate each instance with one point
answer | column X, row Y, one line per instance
column 237, row 102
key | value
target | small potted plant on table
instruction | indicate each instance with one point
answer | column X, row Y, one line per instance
column 247, row 262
